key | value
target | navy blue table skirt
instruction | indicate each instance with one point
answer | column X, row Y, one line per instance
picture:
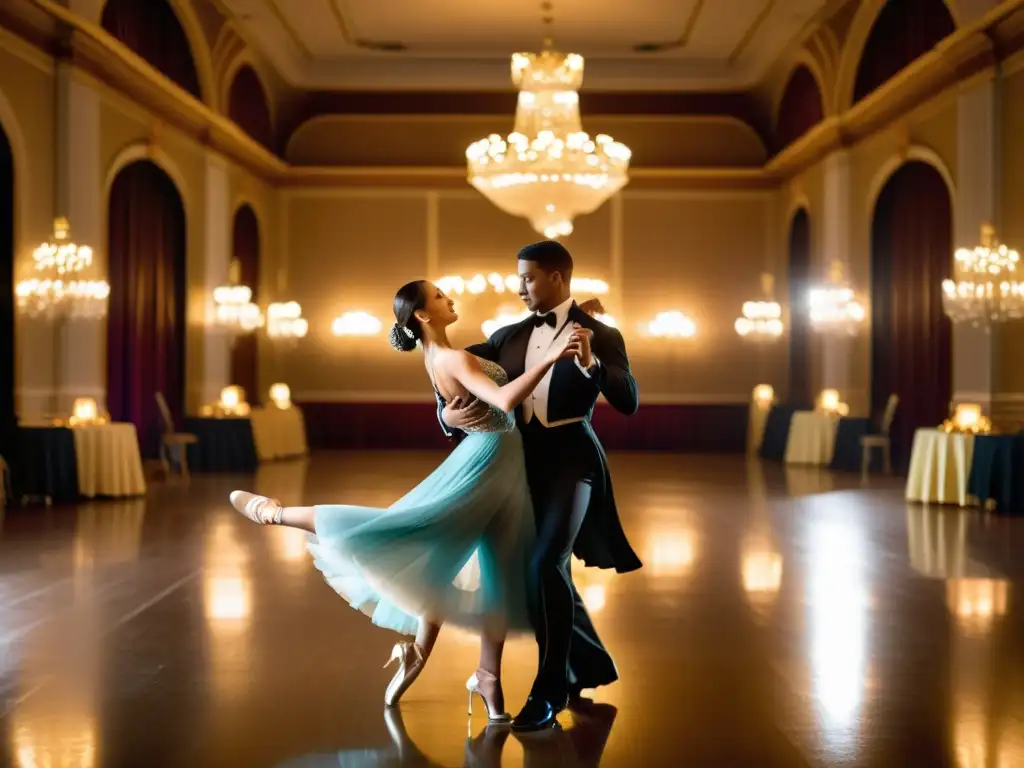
column 847, row 453
column 776, row 433
column 225, row 445
column 44, row 464
column 997, row 472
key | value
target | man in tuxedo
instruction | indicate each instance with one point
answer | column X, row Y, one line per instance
column 567, row 471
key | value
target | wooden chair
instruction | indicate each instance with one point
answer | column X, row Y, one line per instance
column 171, row 441
column 881, row 441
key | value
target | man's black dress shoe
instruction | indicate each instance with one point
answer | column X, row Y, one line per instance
column 536, row 715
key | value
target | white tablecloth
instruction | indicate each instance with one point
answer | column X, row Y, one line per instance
column 279, row 434
column 812, row 438
column 109, row 463
column 940, row 465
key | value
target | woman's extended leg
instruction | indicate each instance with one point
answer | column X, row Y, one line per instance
column 266, row 511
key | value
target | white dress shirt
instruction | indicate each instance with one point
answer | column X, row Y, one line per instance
column 541, row 339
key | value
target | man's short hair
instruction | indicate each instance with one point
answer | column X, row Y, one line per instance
column 549, row 255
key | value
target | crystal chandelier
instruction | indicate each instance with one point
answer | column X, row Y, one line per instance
column 285, row 321
column 834, row 307
column 761, row 320
column 57, row 287
column 233, row 307
column 548, row 170
column 986, row 290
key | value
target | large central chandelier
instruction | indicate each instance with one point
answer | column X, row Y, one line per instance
column 548, row 170
column 58, row 287
column 986, row 289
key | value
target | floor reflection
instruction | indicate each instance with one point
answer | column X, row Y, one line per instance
column 581, row 745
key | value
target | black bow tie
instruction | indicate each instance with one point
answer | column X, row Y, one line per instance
column 539, row 320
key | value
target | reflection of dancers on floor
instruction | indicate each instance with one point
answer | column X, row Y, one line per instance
column 404, row 565
column 579, row 746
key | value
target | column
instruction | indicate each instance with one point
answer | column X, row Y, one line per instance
column 81, row 369
column 217, row 247
column 979, row 155
column 837, row 353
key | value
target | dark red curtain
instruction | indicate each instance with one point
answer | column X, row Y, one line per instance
column 152, row 30
column 911, row 338
column 246, row 251
column 248, row 107
column 7, row 420
column 903, row 31
column 801, row 107
column 799, row 322
column 146, row 328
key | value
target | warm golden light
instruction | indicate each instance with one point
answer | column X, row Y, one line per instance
column 85, row 412
column 58, row 290
column 834, row 307
column 595, row 597
column 227, row 598
column 501, row 320
column 764, row 395
column 232, row 397
column 548, row 170
column 987, row 289
column 671, row 553
column 357, row 323
column 456, row 285
column 671, row 325
column 762, row 571
column 967, row 416
column 281, row 395
column 977, row 602
column 234, row 309
column 53, row 743
column 285, row 321
column 608, row 320
column 829, row 400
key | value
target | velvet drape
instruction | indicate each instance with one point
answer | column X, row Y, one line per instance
column 800, row 109
column 246, row 251
column 248, row 107
column 903, row 31
column 146, row 324
column 7, row 419
column 799, row 322
column 911, row 338
column 151, row 29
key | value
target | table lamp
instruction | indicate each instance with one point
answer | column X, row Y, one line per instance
column 829, row 400
column 281, row 396
column 764, row 395
column 83, row 412
column 232, row 401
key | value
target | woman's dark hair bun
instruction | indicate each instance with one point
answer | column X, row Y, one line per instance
column 401, row 338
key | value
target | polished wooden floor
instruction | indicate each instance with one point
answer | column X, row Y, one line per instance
column 783, row 618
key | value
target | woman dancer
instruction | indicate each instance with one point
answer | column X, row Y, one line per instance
column 400, row 565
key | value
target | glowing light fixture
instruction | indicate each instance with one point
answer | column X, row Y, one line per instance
column 764, row 395
column 281, row 396
column 84, row 412
column 355, row 324
column 233, row 307
column 834, row 306
column 501, row 320
column 762, row 319
column 56, row 287
column 285, row 321
column 967, row 419
column 986, row 290
column 548, row 170
column 671, row 325
column 456, row 285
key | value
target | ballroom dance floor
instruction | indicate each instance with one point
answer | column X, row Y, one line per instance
column 783, row 618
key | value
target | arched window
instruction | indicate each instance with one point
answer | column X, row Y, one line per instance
column 248, row 107
column 800, row 108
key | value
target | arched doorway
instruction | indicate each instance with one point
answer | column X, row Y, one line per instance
column 911, row 338
column 146, row 328
column 799, row 319
column 7, row 419
column 245, row 367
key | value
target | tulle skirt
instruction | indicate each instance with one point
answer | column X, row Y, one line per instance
column 455, row 548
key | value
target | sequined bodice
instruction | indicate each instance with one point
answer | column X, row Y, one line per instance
column 497, row 420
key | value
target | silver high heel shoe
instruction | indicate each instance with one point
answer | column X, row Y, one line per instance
column 410, row 663
column 473, row 686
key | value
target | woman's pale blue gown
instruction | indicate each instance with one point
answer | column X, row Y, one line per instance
column 454, row 549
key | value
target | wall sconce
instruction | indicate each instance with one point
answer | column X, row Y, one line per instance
column 281, row 396
column 355, row 324
column 671, row 325
column 285, row 321
column 764, row 396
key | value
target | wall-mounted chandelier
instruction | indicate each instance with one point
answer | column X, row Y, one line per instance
column 57, row 286
column 234, row 310
column 548, row 170
column 456, row 285
column 835, row 308
column 285, row 321
column 762, row 319
column 986, row 289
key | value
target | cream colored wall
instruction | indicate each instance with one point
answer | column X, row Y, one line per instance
column 929, row 134
column 700, row 253
column 27, row 113
column 1009, row 358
